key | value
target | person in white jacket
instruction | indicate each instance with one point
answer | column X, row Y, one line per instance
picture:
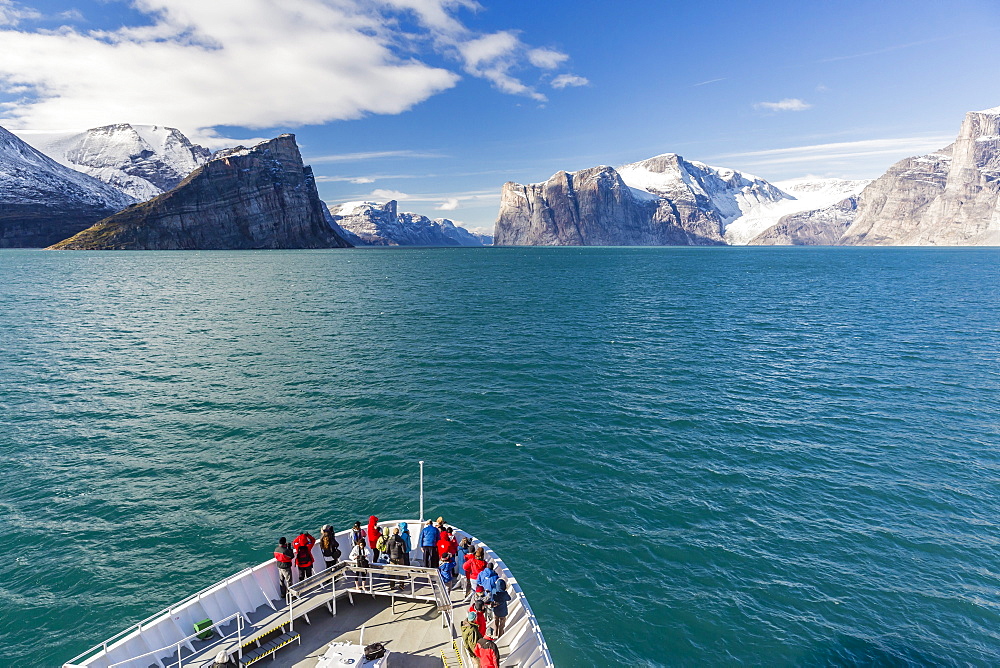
column 361, row 555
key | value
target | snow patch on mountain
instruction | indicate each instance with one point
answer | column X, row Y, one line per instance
column 805, row 194
column 375, row 224
column 140, row 160
column 27, row 175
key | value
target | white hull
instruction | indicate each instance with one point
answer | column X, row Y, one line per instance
column 162, row 638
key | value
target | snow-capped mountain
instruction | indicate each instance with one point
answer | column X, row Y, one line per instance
column 373, row 224
column 665, row 200
column 42, row 201
column 140, row 160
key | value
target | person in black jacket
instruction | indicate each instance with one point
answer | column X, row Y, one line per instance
column 396, row 549
column 284, row 556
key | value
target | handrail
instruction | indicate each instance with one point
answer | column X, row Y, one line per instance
column 216, row 625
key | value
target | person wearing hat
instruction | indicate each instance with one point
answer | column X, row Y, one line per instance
column 500, row 599
column 471, row 635
column 283, row 555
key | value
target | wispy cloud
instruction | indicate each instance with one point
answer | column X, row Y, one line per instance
column 547, row 59
column 564, row 80
column 887, row 49
column 382, row 195
column 448, row 205
column 710, row 81
column 840, row 150
column 370, row 155
column 788, row 104
column 12, row 13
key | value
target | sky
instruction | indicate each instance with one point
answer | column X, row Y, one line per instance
column 437, row 103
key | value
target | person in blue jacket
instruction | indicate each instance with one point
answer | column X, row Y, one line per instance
column 464, row 549
column 404, row 533
column 428, row 542
column 447, row 570
column 488, row 579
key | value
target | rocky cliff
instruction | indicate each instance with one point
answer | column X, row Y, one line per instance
column 947, row 198
column 372, row 224
column 42, row 201
column 142, row 161
column 594, row 207
column 262, row 197
column 665, row 200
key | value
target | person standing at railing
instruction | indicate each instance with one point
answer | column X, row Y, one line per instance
column 404, row 533
column 500, row 610
column 374, row 534
column 328, row 545
column 474, row 565
column 446, row 544
column 284, row 556
column 428, row 543
column 396, row 549
column 304, row 560
column 487, row 579
column 357, row 533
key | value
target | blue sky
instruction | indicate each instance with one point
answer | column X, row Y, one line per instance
column 438, row 102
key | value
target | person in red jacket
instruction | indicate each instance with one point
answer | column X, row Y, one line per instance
column 474, row 564
column 303, row 539
column 487, row 652
column 446, row 545
column 480, row 611
column 374, row 533
column 304, row 560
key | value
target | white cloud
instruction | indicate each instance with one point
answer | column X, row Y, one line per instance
column 11, row 13
column 547, row 59
column 788, row 104
column 383, row 195
column 564, row 80
column 248, row 63
column 449, row 205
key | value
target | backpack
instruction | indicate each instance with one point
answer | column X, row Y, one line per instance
column 380, row 544
column 363, row 559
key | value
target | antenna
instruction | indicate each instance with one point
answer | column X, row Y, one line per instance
column 421, row 491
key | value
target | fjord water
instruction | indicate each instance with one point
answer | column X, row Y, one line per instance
column 688, row 456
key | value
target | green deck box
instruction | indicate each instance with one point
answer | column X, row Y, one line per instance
column 204, row 629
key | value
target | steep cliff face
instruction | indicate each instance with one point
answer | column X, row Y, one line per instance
column 665, row 200
column 372, row 224
column 947, row 198
column 595, row 207
column 142, row 161
column 42, row 201
column 244, row 198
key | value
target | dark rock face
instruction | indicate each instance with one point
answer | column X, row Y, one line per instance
column 242, row 199
column 594, row 207
column 371, row 224
column 42, row 201
column 821, row 227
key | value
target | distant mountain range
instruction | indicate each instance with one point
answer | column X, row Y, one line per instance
column 374, row 224
column 946, row 198
column 949, row 197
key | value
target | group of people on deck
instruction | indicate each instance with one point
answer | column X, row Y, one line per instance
column 455, row 560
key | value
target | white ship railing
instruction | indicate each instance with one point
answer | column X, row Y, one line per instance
column 159, row 638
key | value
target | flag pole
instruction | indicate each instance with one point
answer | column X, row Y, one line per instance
column 421, row 491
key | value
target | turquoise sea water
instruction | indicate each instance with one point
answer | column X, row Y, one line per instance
column 688, row 456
